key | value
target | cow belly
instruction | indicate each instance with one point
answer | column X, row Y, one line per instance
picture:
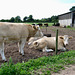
column 10, row 39
column 51, row 45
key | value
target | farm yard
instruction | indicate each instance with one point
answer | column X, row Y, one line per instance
column 11, row 49
column 37, row 39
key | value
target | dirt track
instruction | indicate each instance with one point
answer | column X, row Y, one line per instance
column 68, row 71
column 11, row 49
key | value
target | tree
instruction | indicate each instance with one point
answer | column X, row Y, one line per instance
column 5, row 20
column 49, row 19
column 30, row 18
column 18, row 19
column 2, row 20
column 25, row 19
column 12, row 19
column 54, row 19
column 72, row 9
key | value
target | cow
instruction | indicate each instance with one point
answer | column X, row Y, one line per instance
column 34, row 24
column 19, row 32
column 40, row 24
column 48, row 35
column 32, row 39
column 57, row 24
column 46, row 24
column 46, row 43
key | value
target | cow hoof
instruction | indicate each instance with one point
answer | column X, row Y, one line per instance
column 4, row 60
column 23, row 54
column 63, row 50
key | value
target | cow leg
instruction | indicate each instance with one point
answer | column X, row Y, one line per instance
column 62, row 49
column 21, row 46
column 49, row 50
column 2, row 51
column 44, row 49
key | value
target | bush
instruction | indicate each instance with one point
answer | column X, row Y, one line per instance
column 68, row 26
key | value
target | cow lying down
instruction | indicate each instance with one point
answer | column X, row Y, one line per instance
column 19, row 32
column 32, row 39
column 49, row 43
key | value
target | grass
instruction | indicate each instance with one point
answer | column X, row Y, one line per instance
column 40, row 66
column 72, row 28
column 50, row 24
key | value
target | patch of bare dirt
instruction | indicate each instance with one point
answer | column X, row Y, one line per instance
column 68, row 71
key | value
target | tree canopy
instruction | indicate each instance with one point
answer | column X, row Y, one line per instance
column 30, row 19
column 72, row 9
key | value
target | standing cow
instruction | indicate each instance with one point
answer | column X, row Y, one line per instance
column 18, row 32
column 46, row 43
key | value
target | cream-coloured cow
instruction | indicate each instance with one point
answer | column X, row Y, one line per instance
column 47, row 43
column 18, row 32
column 32, row 39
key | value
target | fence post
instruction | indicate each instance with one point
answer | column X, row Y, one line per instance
column 46, row 29
column 56, row 42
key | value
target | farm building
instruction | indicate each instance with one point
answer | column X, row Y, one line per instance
column 67, row 19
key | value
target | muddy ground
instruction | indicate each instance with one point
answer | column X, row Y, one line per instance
column 11, row 49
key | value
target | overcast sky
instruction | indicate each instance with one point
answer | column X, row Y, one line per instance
column 38, row 8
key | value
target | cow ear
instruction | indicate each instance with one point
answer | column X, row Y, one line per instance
column 70, row 37
column 34, row 26
column 37, row 27
column 36, row 43
column 61, row 37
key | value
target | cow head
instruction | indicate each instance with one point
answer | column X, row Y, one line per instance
column 65, row 39
column 38, row 32
column 35, row 45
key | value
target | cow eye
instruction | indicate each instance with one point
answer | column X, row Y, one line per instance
column 35, row 43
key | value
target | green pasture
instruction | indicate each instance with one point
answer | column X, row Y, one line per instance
column 50, row 24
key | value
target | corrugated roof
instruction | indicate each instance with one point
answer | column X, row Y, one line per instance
column 65, row 13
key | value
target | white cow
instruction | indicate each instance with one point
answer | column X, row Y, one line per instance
column 47, row 43
column 18, row 32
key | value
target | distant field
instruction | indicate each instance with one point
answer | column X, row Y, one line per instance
column 50, row 24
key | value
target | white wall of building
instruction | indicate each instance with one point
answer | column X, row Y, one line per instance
column 65, row 22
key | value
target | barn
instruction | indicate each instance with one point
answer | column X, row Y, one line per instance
column 67, row 19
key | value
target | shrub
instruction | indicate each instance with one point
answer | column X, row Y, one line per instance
column 68, row 26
